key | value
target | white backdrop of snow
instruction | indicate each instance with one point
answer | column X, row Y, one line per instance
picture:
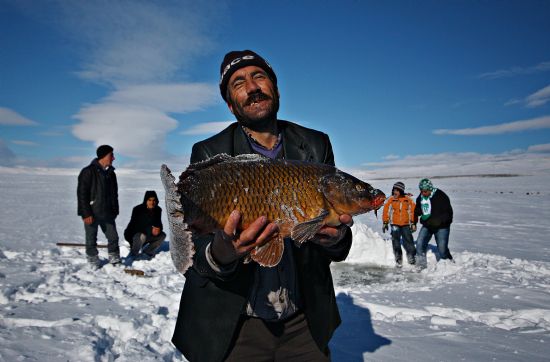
column 493, row 303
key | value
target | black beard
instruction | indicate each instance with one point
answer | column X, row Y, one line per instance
column 258, row 124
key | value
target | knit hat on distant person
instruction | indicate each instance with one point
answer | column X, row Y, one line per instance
column 399, row 186
column 237, row 59
column 103, row 151
column 425, row 184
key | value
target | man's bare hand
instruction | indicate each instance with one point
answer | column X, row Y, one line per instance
column 88, row 220
column 332, row 235
column 228, row 246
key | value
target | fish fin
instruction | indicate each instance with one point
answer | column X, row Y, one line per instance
column 181, row 245
column 304, row 231
column 219, row 158
column 270, row 253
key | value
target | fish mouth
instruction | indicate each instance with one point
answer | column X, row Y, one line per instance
column 378, row 199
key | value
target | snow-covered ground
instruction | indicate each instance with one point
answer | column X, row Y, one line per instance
column 493, row 303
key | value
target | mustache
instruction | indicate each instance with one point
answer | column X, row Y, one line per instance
column 256, row 97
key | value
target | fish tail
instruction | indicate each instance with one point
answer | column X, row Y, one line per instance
column 181, row 243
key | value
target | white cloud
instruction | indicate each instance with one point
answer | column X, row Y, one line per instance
column 133, row 41
column 24, row 143
column 540, row 148
column 533, row 160
column 133, row 130
column 135, row 120
column 391, row 157
column 207, row 128
column 510, row 127
column 9, row 117
column 170, row 98
column 538, row 98
column 139, row 48
column 515, row 71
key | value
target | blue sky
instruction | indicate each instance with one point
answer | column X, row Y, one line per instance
column 395, row 81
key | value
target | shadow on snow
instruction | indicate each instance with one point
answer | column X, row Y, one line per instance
column 356, row 334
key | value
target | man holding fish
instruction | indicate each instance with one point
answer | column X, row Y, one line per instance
column 237, row 305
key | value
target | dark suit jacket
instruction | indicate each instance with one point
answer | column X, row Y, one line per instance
column 211, row 307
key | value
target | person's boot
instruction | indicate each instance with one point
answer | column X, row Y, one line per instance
column 93, row 262
column 114, row 258
column 411, row 259
column 398, row 262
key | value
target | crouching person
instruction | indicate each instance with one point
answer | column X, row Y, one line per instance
column 144, row 231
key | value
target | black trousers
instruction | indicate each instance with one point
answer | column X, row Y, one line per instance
column 288, row 340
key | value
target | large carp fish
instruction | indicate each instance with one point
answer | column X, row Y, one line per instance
column 301, row 197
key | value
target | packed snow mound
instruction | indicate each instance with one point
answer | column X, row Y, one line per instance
column 369, row 247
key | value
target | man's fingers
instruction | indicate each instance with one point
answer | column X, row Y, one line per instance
column 232, row 222
column 346, row 219
column 328, row 231
column 252, row 231
column 267, row 234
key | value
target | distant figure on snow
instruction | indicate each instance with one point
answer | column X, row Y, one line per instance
column 145, row 227
column 436, row 215
column 97, row 195
column 399, row 213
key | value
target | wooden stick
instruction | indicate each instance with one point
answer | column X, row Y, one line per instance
column 79, row 245
column 135, row 272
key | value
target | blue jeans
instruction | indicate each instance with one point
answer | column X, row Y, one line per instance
column 441, row 239
column 109, row 229
column 398, row 232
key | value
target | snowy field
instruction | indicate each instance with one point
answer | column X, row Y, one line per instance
column 493, row 304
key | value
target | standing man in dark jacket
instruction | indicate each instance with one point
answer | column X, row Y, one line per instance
column 234, row 311
column 145, row 226
column 97, row 194
column 434, row 209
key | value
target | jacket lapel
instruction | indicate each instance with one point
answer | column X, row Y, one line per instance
column 294, row 145
column 240, row 142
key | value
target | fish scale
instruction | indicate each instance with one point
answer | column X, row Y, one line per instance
column 299, row 196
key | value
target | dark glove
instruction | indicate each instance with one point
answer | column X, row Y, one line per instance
column 413, row 228
column 222, row 248
column 385, row 227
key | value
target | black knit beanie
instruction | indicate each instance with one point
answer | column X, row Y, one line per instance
column 103, row 151
column 237, row 59
column 399, row 186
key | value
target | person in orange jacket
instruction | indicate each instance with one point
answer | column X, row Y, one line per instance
column 399, row 213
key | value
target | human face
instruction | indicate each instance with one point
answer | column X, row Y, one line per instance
column 253, row 98
column 107, row 160
column 426, row 193
column 396, row 193
column 151, row 202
